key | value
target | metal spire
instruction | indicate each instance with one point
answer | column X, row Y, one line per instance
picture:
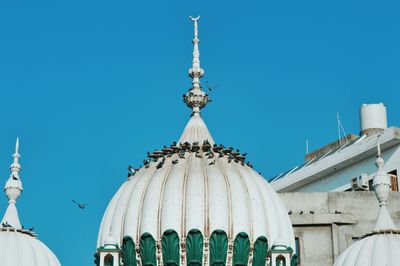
column 196, row 98
column 13, row 189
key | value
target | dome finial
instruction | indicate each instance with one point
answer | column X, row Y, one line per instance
column 13, row 189
column 381, row 180
column 382, row 188
column 196, row 98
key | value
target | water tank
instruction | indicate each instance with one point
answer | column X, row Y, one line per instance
column 373, row 118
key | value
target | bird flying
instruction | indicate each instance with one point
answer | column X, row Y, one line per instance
column 80, row 205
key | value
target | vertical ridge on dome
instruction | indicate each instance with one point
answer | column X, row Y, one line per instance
column 381, row 183
column 13, row 189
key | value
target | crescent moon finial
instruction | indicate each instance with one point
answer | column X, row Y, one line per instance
column 194, row 19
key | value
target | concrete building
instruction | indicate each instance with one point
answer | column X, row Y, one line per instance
column 348, row 163
column 330, row 198
column 326, row 223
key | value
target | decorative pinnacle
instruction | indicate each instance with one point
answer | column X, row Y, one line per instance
column 381, row 180
column 196, row 98
column 13, row 189
column 15, row 167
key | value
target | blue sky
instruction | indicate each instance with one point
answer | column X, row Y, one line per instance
column 91, row 86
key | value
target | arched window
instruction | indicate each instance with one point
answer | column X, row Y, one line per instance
column 280, row 261
column 109, row 260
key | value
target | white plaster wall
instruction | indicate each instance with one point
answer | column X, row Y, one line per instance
column 337, row 218
column 315, row 246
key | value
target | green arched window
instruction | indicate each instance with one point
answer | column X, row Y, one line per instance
column 280, row 261
column 128, row 252
column 148, row 250
column 170, row 248
column 108, row 260
column 218, row 248
column 194, row 248
column 260, row 251
column 241, row 248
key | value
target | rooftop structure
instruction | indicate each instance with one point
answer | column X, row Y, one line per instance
column 347, row 163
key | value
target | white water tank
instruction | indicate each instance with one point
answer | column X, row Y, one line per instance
column 373, row 118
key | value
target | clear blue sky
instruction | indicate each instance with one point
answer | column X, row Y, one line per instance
column 90, row 86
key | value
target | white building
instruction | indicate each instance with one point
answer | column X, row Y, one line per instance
column 347, row 164
column 328, row 197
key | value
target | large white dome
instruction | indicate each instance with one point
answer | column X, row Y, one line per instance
column 17, row 248
column 209, row 189
column 195, row 203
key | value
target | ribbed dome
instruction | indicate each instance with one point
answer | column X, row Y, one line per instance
column 377, row 249
column 204, row 190
column 194, row 202
column 18, row 249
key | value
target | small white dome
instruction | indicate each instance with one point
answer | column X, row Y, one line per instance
column 376, row 249
column 196, row 192
column 18, row 248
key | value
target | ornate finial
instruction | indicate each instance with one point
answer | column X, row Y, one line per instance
column 196, row 98
column 13, row 189
column 15, row 167
column 381, row 180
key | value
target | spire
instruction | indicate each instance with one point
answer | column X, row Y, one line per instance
column 196, row 98
column 382, row 187
column 13, row 189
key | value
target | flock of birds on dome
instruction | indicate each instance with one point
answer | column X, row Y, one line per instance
column 204, row 150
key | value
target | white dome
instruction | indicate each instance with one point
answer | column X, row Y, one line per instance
column 377, row 249
column 195, row 202
column 18, row 248
column 196, row 193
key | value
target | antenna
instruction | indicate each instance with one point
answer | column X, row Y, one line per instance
column 306, row 146
column 340, row 130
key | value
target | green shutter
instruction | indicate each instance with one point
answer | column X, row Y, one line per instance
column 148, row 250
column 170, row 248
column 128, row 252
column 194, row 248
column 260, row 251
column 241, row 248
column 218, row 248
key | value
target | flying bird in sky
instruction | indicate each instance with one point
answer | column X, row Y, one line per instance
column 80, row 205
